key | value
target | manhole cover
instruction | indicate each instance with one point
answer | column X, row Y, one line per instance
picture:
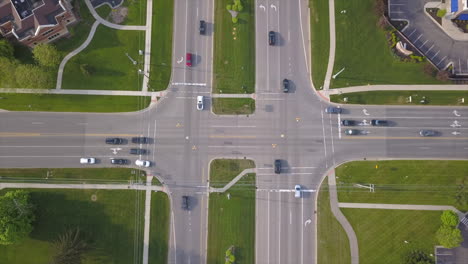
column 93, row 197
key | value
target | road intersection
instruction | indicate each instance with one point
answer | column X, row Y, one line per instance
column 292, row 127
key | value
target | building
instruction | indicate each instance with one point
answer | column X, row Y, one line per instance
column 32, row 22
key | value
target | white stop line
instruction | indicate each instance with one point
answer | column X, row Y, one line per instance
column 189, row 84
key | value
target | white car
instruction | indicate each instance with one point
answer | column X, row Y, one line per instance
column 297, row 191
column 142, row 163
column 87, row 160
column 200, row 102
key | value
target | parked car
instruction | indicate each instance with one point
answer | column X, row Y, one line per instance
column 427, row 133
column 277, row 166
column 114, row 141
column 137, row 151
column 140, row 140
column 271, row 38
column 202, row 27
column 376, row 122
column 87, row 160
column 333, row 110
column 351, row 132
column 188, row 59
column 143, row 163
column 285, row 86
column 119, row 161
column 297, row 191
column 346, row 122
column 185, row 202
column 200, row 102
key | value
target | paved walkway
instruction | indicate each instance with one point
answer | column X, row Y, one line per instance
column 331, row 56
column 82, row 186
column 81, row 92
column 367, row 88
column 147, row 51
column 234, row 181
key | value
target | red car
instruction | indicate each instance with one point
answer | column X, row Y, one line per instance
column 188, row 59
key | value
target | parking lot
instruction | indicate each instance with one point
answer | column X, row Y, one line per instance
column 428, row 37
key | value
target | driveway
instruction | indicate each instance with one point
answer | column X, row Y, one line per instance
column 428, row 37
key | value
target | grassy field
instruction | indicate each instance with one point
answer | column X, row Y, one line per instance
column 161, row 45
column 109, row 67
column 234, row 49
column 382, row 234
column 159, row 228
column 403, row 182
column 73, row 103
column 320, row 40
column 231, row 221
column 333, row 243
column 104, row 11
column 112, row 222
column 362, row 49
column 401, row 97
column 89, row 175
column 233, row 106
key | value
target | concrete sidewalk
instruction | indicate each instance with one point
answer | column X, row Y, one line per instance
column 82, row 186
column 391, row 87
column 234, row 181
column 81, row 92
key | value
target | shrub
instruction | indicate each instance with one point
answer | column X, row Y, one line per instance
column 235, row 20
column 229, row 7
column 449, row 218
column 417, row 58
column 441, row 12
column 418, row 257
column 443, row 75
column 234, row 8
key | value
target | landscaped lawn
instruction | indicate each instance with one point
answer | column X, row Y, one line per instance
column 362, row 49
column 234, row 49
column 72, row 103
column 233, row 106
column 112, row 222
column 161, row 45
column 401, row 97
column 320, row 40
column 333, row 243
column 381, row 234
column 231, row 221
column 433, row 182
column 159, row 228
column 108, row 66
column 104, row 11
column 136, row 12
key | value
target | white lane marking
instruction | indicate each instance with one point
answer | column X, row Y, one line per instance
column 268, row 227
column 303, row 40
column 424, row 43
column 411, row 33
column 227, row 146
column 154, row 137
column 184, row 97
column 234, row 126
column 197, row 11
column 289, row 36
column 307, row 222
column 435, row 55
column 365, row 112
column 324, row 140
column 430, row 48
column 279, row 228
column 339, row 126
column 444, row 59
column 290, row 217
column 52, row 146
column 271, row 99
column 302, row 233
column 180, row 60
column 37, row 123
column 418, row 38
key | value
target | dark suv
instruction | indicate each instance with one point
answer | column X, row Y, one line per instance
column 271, row 38
column 202, row 27
column 285, row 86
column 137, row 151
column 277, row 166
column 114, row 141
column 140, row 140
column 119, row 161
column 376, row 122
column 185, row 203
column 346, row 122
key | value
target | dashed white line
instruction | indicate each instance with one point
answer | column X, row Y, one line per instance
column 418, row 38
column 435, row 55
column 411, row 33
column 442, row 60
column 430, row 48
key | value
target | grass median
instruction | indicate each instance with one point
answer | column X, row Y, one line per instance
column 234, row 49
column 362, row 49
column 320, row 39
column 231, row 219
column 72, row 103
column 159, row 228
column 402, row 97
column 233, row 106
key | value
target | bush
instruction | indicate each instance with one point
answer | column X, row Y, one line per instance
column 234, row 7
column 418, row 257
column 449, row 237
column 449, row 218
column 394, row 39
column 235, row 20
column 417, row 58
column 441, row 12
column 229, row 7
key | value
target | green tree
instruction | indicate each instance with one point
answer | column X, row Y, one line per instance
column 31, row 76
column 6, row 49
column 449, row 237
column 46, row 55
column 7, row 73
column 235, row 20
column 449, row 218
column 16, row 217
column 418, row 257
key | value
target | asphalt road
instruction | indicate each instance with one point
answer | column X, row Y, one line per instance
column 292, row 127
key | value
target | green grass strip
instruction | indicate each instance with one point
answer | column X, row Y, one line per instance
column 159, row 228
column 320, row 40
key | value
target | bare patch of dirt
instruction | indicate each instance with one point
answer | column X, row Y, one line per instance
column 119, row 14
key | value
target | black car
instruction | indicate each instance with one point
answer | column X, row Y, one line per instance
column 137, row 151
column 285, row 86
column 277, row 166
column 347, row 122
column 119, row 161
column 352, row 132
column 140, row 140
column 271, row 38
column 202, row 27
column 114, row 141
column 185, row 203
column 333, row 110
column 376, row 122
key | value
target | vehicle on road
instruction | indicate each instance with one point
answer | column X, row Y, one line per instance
column 285, row 86
column 143, row 163
column 200, row 102
column 137, row 151
column 188, row 59
column 427, row 133
column 377, row 122
column 277, row 166
column 202, row 27
column 185, row 202
column 351, row 132
column 297, row 191
column 87, row 160
column 140, row 140
column 119, row 161
column 347, row 122
column 271, row 38
column 114, row 141
column 333, row 110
